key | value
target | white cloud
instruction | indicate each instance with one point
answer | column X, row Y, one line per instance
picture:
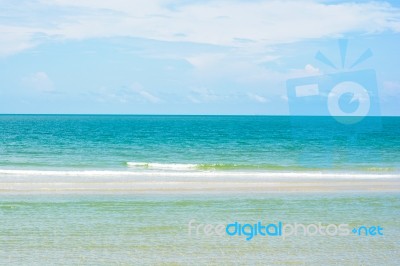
column 201, row 95
column 39, row 81
column 311, row 69
column 390, row 89
column 15, row 39
column 146, row 95
column 193, row 99
column 249, row 25
column 123, row 94
column 257, row 98
column 202, row 61
column 308, row 70
column 149, row 97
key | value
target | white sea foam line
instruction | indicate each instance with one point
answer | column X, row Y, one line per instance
column 93, row 173
column 171, row 166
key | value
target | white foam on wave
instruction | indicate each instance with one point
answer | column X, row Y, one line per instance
column 163, row 166
column 188, row 174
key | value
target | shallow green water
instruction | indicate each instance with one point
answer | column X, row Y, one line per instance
column 132, row 230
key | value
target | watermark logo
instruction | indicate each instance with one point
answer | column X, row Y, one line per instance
column 348, row 100
column 347, row 95
column 248, row 231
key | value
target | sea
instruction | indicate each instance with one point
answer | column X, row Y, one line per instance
column 198, row 143
column 168, row 229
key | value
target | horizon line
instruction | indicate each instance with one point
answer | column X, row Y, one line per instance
column 111, row 114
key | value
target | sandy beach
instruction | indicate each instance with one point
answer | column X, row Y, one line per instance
column 48, row 183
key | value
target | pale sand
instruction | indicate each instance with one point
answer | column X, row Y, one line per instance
column 194, row 185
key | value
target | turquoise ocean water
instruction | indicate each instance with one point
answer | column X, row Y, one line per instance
column 153, row 229
column 135, row 143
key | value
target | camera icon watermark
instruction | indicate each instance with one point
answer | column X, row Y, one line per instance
column 346, row 99
column 346, row 96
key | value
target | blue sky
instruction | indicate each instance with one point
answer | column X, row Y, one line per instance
column 186, row 57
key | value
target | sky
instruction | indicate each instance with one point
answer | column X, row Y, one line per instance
column 190, row 57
